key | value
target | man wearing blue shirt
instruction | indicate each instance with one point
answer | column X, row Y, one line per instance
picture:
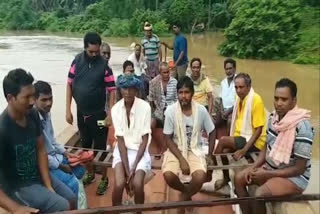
column 180, row 53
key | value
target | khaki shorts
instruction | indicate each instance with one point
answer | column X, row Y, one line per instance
column 171, row 163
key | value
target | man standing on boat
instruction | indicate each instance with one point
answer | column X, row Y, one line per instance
column 89, row 79
column 151, row 51
column 248, row 129
column 162, row 93
column 224, row 108
column 57, row 155
column 131, row 117
column 140, row 67
column 283, row 166
column 184, row 166
column 106, row 52
column 24, row 175
column 180, row 52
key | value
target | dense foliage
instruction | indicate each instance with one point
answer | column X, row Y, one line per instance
column 114, row 18
column 265, row 29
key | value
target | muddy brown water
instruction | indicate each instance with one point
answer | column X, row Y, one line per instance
column 48, row 58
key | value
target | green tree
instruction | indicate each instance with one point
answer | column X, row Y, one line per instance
column 262, row 29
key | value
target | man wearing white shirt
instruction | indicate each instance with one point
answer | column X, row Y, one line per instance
column 131, row 117
column 138, row 60
column 228, row 94
column 140, row 67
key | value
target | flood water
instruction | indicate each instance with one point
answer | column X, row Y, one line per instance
column 48, row 58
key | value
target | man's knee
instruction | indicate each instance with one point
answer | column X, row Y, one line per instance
column 169, row 176
column 199, row 176
column 239, row 177
column 59, row 204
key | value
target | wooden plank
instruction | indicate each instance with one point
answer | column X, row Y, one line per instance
column 244, row 161
column 219, row 161
column 107, row 159
column 254, row 156
column 96, row 159
column 230, row 159
column 185, row 204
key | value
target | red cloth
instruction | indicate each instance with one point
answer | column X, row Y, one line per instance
column 83, row 157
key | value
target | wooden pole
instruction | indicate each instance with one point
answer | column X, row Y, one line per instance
column 185, row 204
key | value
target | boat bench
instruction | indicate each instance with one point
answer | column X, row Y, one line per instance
column 104, row 158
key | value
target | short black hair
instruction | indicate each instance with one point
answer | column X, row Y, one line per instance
column 185, row 82
column 246, row 77
column 126, row 64
column 91, row 38
column 137, row 45
column 15, row 80
column 285, row 82
column 194, row 60
column 176, row 24
column 231, row 61
column 42, row 87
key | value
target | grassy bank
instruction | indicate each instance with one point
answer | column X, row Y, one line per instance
column 309, row 44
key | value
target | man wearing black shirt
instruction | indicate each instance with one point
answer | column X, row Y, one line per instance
column 24, row 175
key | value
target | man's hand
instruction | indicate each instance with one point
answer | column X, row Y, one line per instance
column 66, row 168
column 239, row 154
column 259, row 175
column 248, row 175
column 51, row 189
column 24, row 210
column 108, row 120
column 184, row 167
column 69, row 117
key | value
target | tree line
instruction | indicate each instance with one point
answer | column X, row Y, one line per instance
column 263, row 29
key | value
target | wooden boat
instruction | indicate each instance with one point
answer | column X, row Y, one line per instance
column 156, row 191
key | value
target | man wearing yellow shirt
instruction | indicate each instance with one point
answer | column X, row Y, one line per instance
column 248, row 130
column 202, row 87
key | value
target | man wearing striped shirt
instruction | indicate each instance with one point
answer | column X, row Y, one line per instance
column 162, row 93
column 151, row 51
column 89, row 78
column 283, row 166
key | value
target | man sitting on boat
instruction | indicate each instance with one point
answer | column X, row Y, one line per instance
column 162, row 93
column 283, row 166
column 184, row 166
column 131, row 117
column 202, row 86
column 128, row 69
column 248, row 130
column 57, row 155
column 222, row 115
column 25, row 183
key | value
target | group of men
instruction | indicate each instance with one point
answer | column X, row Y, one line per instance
column 35, row 171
